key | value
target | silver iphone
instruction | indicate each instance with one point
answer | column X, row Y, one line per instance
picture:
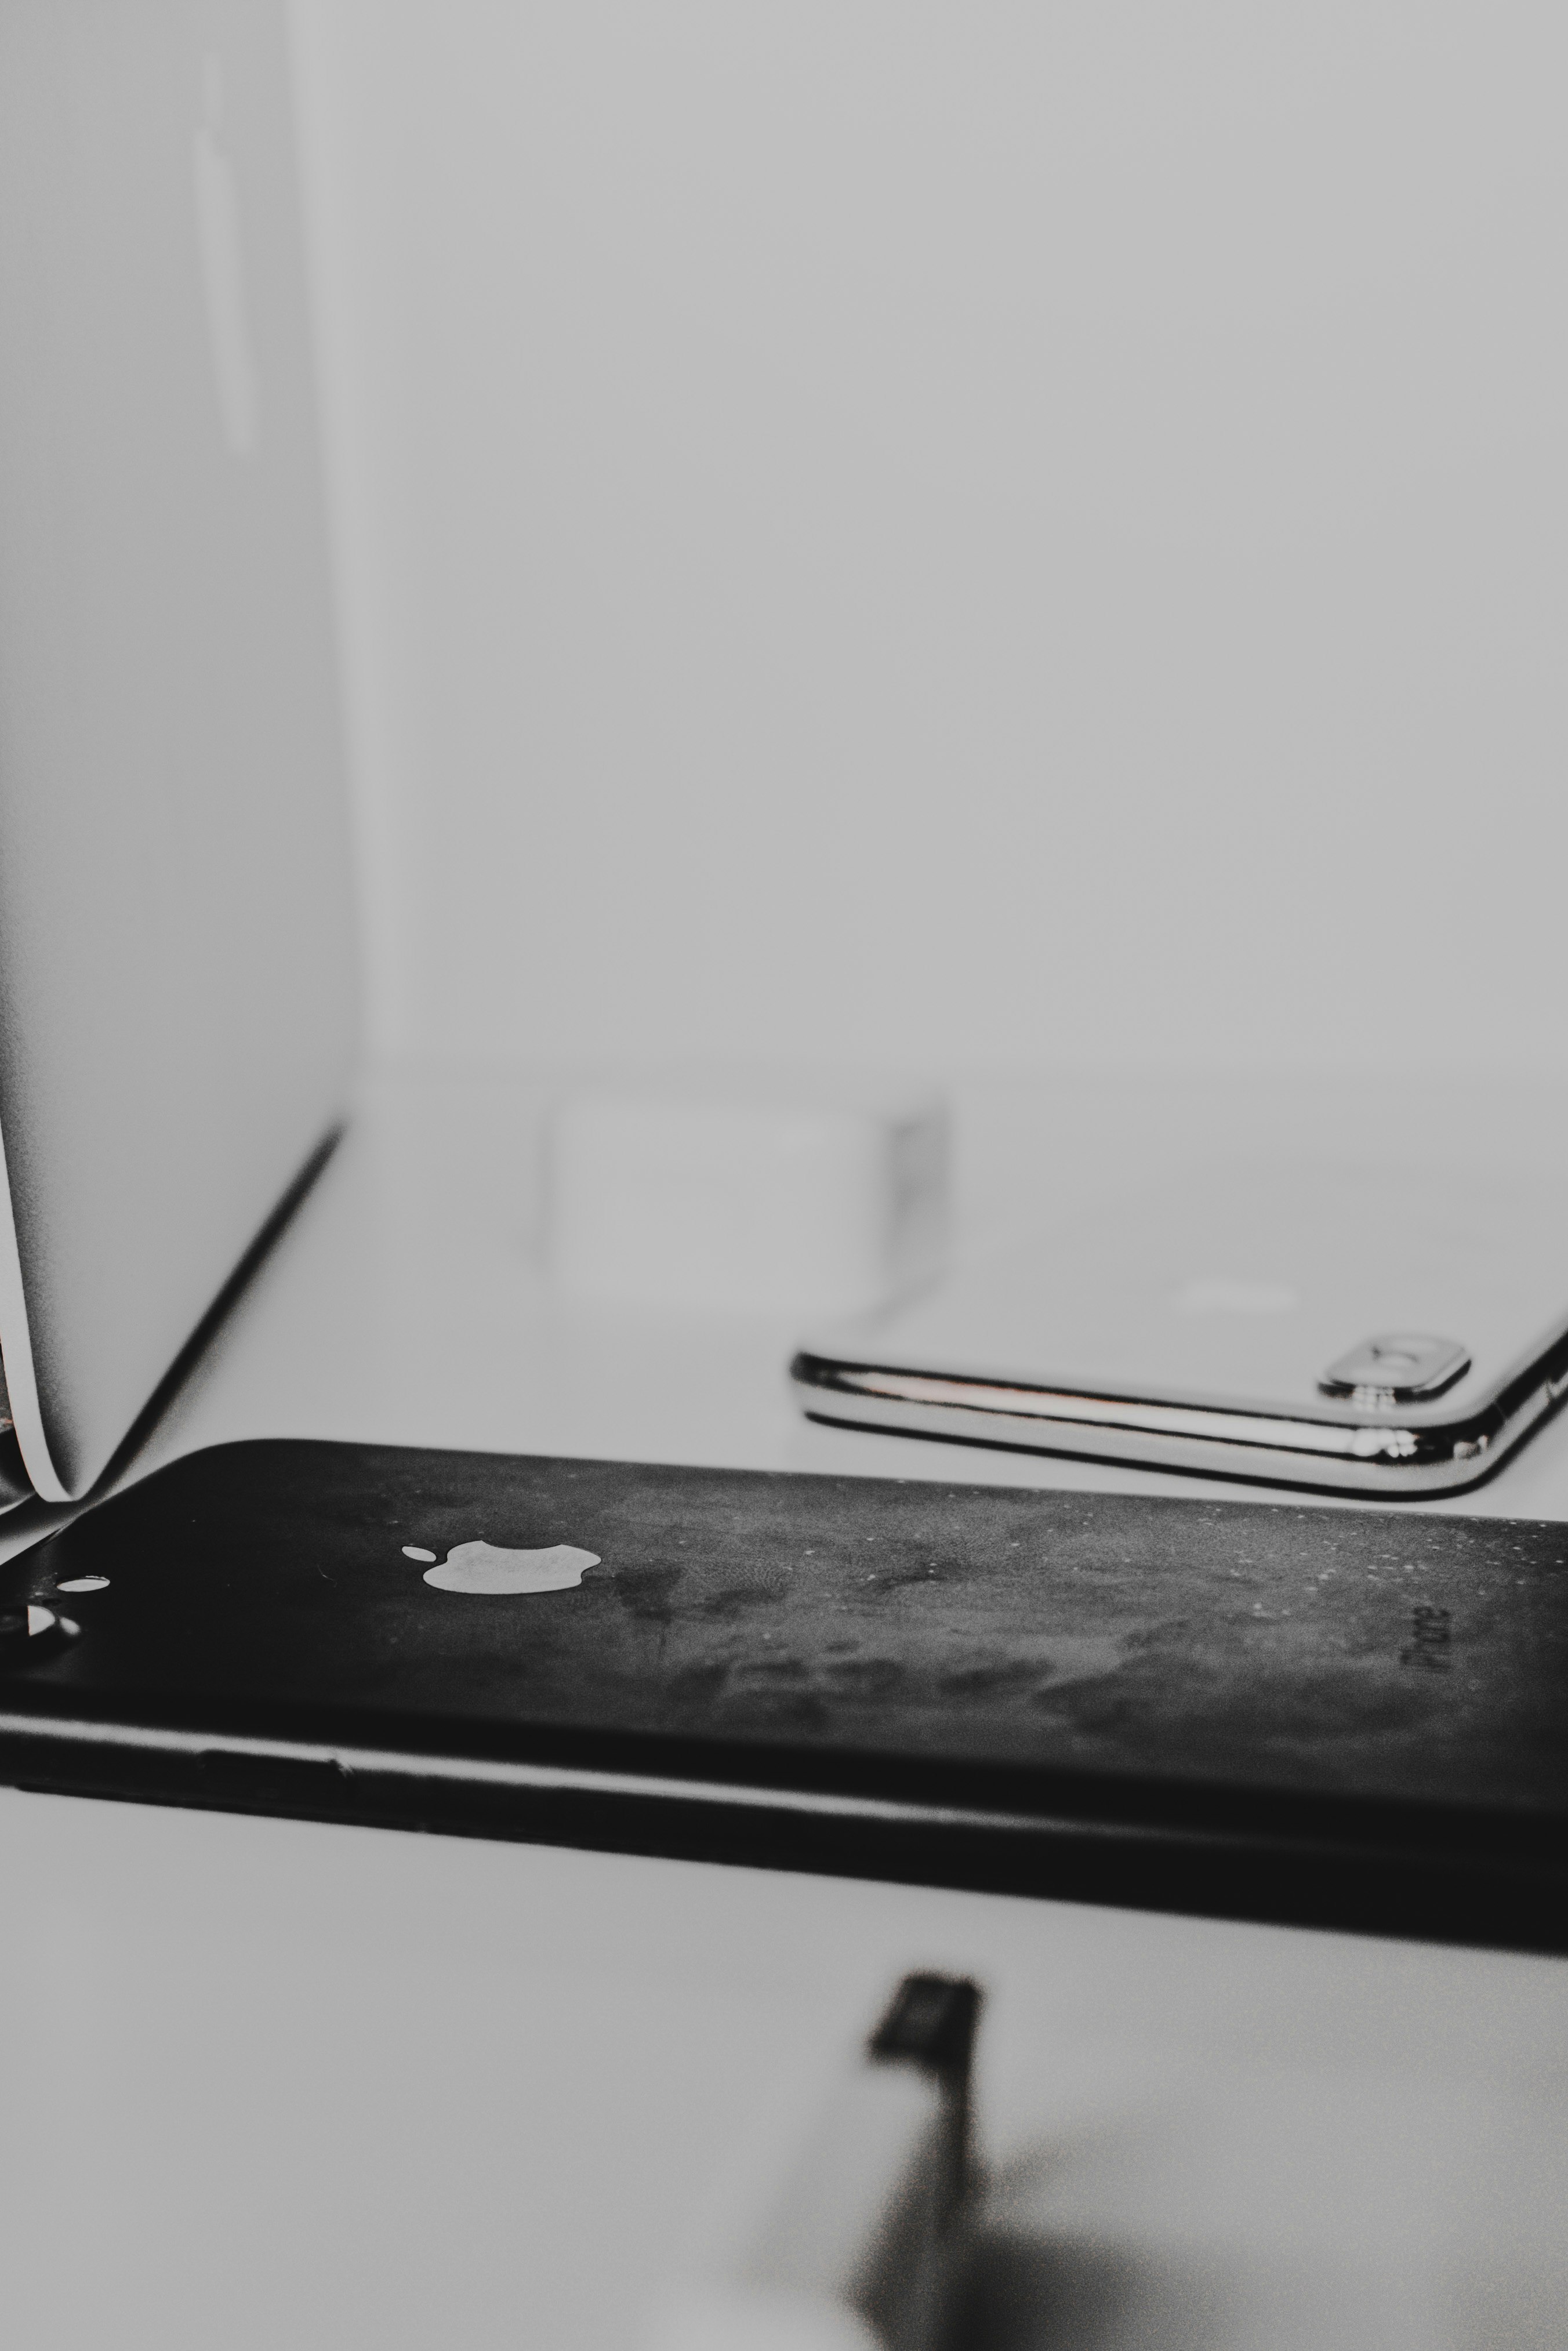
column 1358, row 1330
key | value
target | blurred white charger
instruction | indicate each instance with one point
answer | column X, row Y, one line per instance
column 746, row 1193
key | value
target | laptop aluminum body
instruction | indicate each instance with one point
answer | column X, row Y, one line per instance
column 177, row 967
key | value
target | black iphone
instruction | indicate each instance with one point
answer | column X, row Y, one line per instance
column 1346, row 1717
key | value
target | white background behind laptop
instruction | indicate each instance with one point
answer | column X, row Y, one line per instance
column 971, row 534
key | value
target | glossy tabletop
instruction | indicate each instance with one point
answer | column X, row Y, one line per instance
column 277, row 2082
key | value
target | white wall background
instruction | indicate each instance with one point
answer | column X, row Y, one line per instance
column 983, row 532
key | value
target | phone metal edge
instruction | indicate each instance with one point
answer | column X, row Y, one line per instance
column 1408, row 1456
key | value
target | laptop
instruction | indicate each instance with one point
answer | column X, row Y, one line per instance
column 177, row 962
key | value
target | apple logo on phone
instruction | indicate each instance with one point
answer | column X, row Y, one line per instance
column 488, row 1567
column 222, row 277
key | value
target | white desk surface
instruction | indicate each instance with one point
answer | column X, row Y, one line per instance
column 271, row 2083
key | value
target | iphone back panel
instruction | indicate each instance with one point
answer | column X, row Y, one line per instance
column 1361, row 1330
column 1348, row 1718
